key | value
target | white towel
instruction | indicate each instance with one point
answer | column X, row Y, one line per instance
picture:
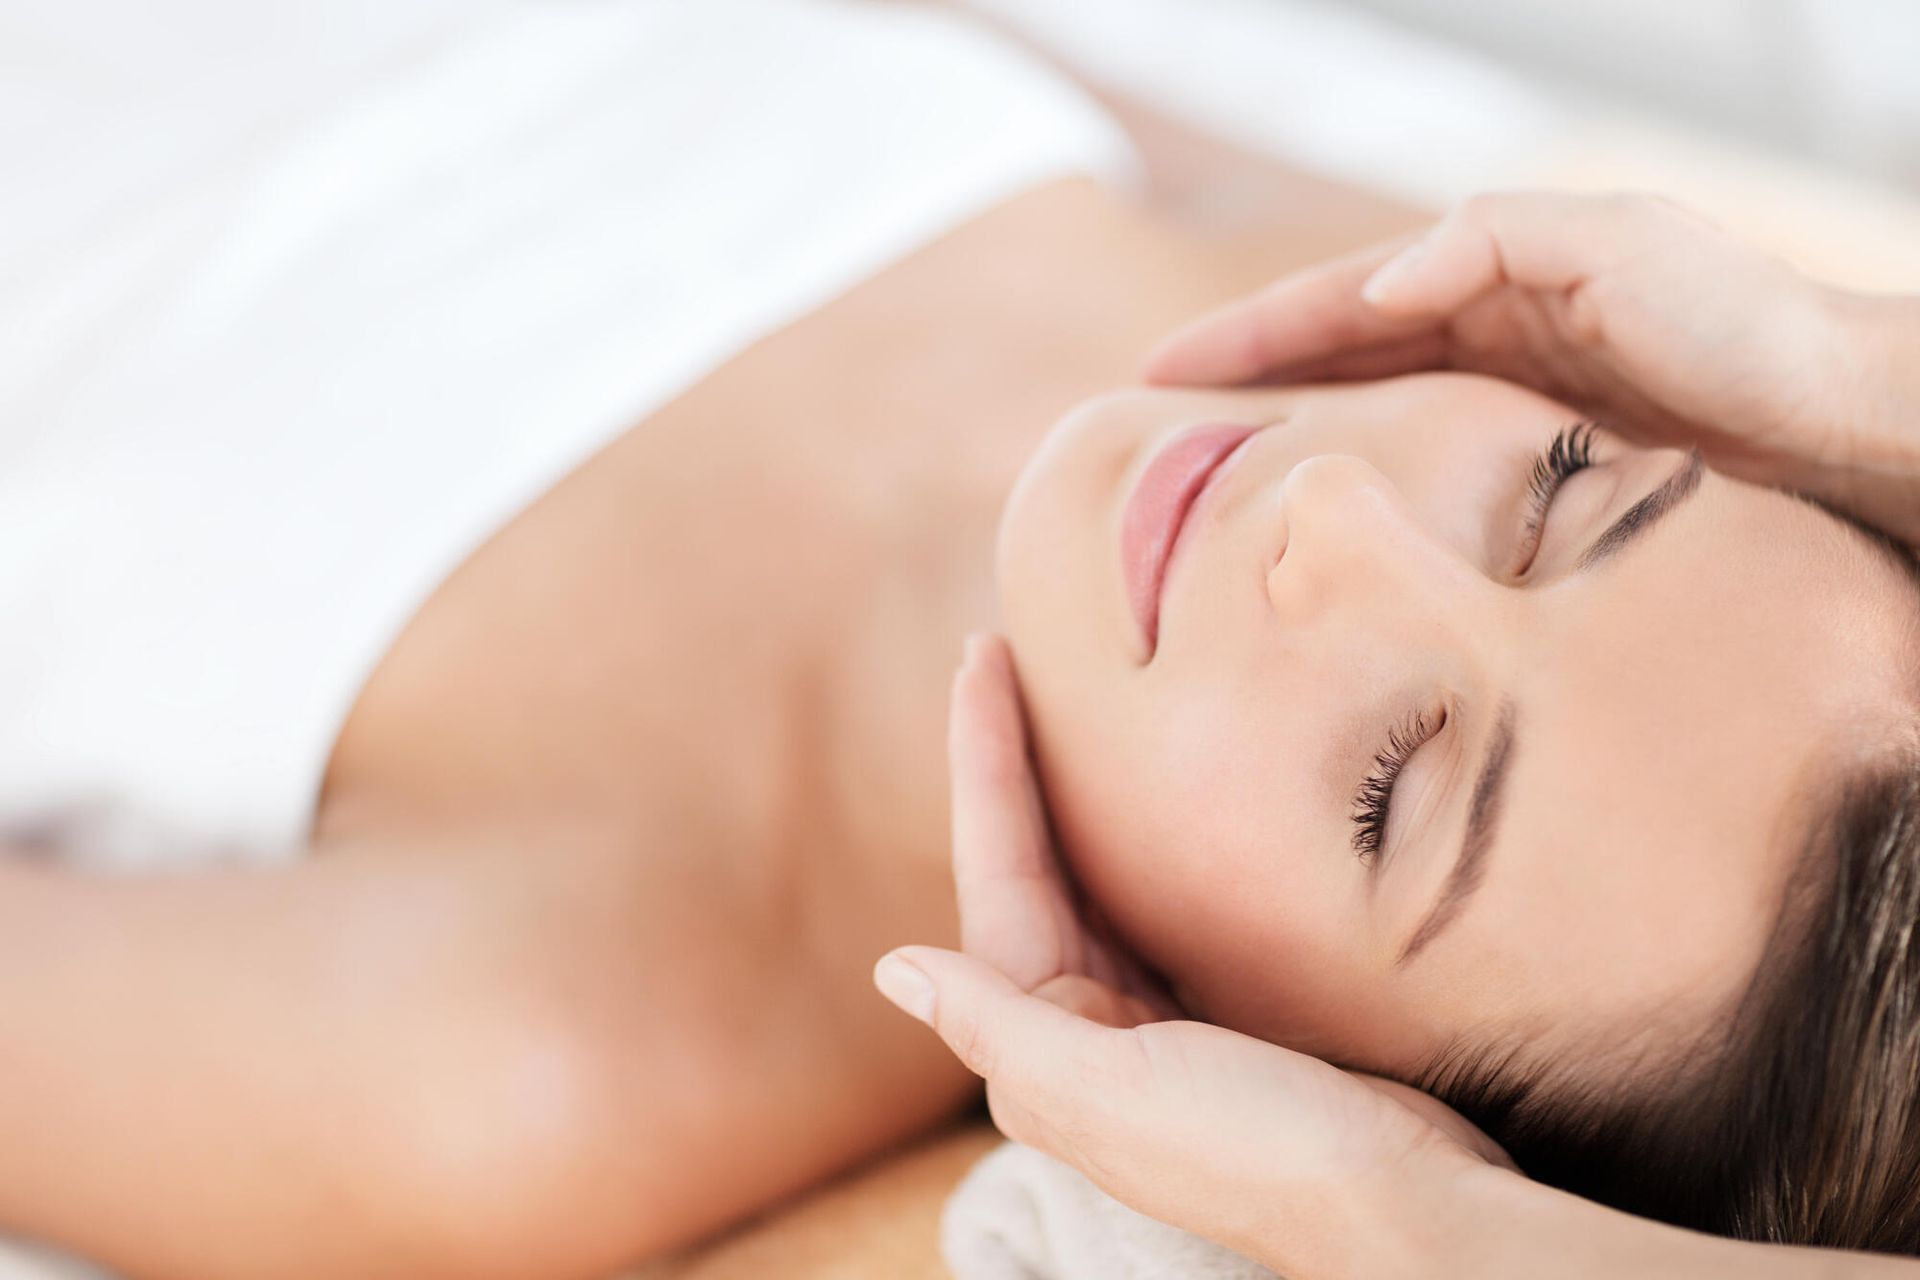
column 1022, row 1215
column 19, row 1261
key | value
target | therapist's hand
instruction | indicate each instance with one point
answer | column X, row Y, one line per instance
column 1309, row 1169
column 1628, row 307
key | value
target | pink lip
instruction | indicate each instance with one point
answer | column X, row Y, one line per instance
column 1171, row 486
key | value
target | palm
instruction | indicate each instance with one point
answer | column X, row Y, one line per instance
column 1242, row 1141
column 1018, row 914
column 1709, row 382
column 1202, row 1127
column 1335, row 1121
column 1628, row 308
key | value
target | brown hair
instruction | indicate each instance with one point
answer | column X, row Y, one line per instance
column 1803, row 1127
column 1797, row 1120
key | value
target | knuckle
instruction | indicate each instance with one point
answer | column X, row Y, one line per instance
column 1010, row 1118
column 1645, row 210
column 1480, row 208
column 972, row 1045
column 1584, row 315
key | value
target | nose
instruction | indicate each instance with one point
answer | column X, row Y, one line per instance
column 1352, row 545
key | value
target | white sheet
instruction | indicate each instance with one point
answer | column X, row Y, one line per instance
column 299, row 303
column 1022, row 1215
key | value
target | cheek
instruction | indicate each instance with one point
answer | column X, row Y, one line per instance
column 1036, row 546
column 1196, row 834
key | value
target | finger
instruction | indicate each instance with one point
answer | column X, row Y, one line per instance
column 1049, row 1068
column 1442, row 1117
column 1108, row 960
column 1096, row 1001
column 1304, row 316
column 1015, row 911
column 1544, row 240
column 1432, row 349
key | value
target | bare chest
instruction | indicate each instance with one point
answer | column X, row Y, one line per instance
column 729, row 634
column 727, row 638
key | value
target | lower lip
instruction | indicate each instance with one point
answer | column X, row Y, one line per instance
column 1172, row 484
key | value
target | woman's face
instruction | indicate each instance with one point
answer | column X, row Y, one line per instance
column 1609, row 740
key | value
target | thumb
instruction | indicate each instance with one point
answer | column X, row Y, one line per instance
column 1000, row 1032
column 1026, row 1046
column 1096, row 1001
column 1048, row 1070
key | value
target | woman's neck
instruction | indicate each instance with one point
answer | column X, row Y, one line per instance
column 728, row 636
column 907, row 408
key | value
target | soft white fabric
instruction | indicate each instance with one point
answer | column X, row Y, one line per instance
column 1022, row 1215
column 1328, row 85
column 22, row 1262
column 299, row 302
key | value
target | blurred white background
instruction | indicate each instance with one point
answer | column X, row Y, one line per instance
column 1796, row 121
column 1829, row 79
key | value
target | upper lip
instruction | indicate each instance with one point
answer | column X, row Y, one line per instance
column 1170, row 487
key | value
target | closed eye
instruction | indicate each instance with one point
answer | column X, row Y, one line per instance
column 1568, row 453
column 1565, row 456
column 1372, row 802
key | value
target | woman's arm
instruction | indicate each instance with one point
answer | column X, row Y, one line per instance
column 317, row 1070
column 499, row 1055
column 1494, row 1224
column 1878, row 478
column 532, row 1053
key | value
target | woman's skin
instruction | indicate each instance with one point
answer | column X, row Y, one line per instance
column 612, row 833
column 1317, row 1172
column 1630, row 307
column 1367, row 559
column 576, row 971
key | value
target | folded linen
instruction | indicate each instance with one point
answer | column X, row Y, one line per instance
column 1019, row 1214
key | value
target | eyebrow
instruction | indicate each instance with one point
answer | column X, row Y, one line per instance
column 1483, row 820
column 1489, row 787
column 1643, row 515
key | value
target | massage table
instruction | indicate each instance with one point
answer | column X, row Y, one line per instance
column 882, row 1219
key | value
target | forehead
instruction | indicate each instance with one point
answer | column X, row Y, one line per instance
column 1441, row 408
column 1673, row 712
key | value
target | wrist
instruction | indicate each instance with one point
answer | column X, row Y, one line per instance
column 1499, row 1224
column 1884, row 330
column 1482, row 1220
column 1380, row 1224
column 1456, row 1218
column 1866, row 431
column 1488, row 1222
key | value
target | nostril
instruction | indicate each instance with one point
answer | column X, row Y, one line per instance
column 1279, row 547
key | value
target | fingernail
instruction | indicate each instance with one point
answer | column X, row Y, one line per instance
column 1393, row 273
column 905, row 985
column 976, row 640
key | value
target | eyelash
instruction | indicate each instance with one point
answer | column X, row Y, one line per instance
column 1566, row 455
column 1371, row 801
